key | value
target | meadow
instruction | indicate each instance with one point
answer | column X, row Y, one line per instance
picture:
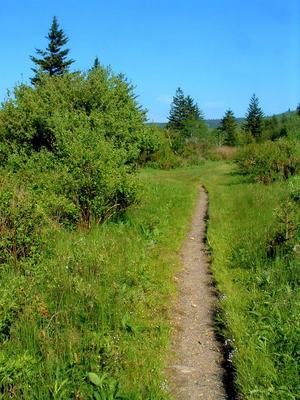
column 93, row 318
column 94, row 208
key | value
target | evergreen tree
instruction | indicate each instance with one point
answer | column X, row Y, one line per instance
column 192, row 111
column 177, row 112
column 185, row 115
column 96, row 63
column 228, row 128
column 298, row 110
column 254, row 119
column 53, row 60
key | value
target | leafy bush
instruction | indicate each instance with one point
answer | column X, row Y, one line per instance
column 285, row 232
column 21, row 223
column 196, row 150
column 269, row 161
column 75, row 142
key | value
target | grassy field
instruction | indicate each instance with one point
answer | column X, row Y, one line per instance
column 259, row 296
column 92, row 320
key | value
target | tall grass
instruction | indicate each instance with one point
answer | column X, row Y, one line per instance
column 260, row 297
column 92, row 318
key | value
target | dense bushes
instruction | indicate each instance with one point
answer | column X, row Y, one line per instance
column 21, row 222
column 74, row 141
column 285, row 232
column 260, row 291
column 269, row 161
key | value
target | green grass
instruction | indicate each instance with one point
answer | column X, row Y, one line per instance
column 98, row 302
column 260, row 298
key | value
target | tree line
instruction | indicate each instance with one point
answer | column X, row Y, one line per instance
column 186, row 117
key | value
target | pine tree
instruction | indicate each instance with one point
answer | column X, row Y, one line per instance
column 228, row 128
column 177, row 112
column 96, row 63
column 53, row 61
column 254, row 119
column 185, row 115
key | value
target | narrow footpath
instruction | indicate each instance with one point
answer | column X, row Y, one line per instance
column 196, row 371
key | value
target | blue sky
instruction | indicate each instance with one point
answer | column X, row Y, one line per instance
column 219, row 51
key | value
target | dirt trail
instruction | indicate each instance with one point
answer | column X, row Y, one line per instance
column 196, row 372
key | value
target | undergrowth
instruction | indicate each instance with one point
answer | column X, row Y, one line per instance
column 259, row 290
column 91, row 318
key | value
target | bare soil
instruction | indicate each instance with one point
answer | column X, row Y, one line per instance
column 196, row 371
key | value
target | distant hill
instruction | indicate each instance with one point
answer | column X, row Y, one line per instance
column 214, row 123
column 211, row 123
column 159, row 124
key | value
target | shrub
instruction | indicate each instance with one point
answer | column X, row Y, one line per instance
column 285, row 232
column 269, row 161
column 22, row 223
column 196, row 150
column 75, row 142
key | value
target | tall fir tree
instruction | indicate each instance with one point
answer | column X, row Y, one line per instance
column 254, row 119
column 177, row 111
column 96, row 63
column 184, row 114
column 53, row 61
column 228, row 128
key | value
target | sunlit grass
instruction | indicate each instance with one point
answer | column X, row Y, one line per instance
column 260, row 299
column 99, row 302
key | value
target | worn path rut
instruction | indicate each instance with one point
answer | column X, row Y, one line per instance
column 196, row 371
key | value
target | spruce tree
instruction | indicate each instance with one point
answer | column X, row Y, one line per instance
column 53, row 61
column 177, row 112
column 228, row 128
column 254, row 119
column 185, row 115
column 96, row 63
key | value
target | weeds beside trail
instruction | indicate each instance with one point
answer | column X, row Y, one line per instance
column 259, row 295
column 91, row 320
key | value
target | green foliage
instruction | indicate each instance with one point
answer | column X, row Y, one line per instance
column 259, row 294
column 92, row 319
column 185, row 116
column 228, row 128
column 254, row 119
column 96, row 63
column 22, row 222
column 274, row 128
column 269, row 161
column 186, row 131
column 76, row 140
column 53, row 61
column 285, row 232
column 156, row 149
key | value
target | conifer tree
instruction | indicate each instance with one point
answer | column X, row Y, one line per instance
column 298, row 110
column 177, row 112
column 254, row 118
column 184, row 114
column 228, row 128
column 96, row 63
column 53, row 61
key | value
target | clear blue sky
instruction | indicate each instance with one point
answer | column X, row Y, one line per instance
column 218, row 51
